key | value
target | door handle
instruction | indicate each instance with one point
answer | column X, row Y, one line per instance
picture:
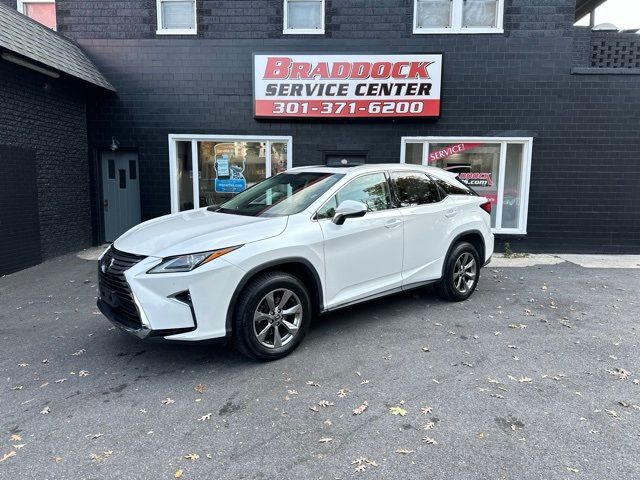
column 451, row 213
column 393, row 223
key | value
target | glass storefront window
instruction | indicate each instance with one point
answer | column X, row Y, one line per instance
column 225, row 167
column 476, row 164
column 495, row 168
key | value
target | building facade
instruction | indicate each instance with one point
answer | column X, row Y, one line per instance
column 538, row 115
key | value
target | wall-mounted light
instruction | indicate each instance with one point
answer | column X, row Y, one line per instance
column 32, row 66
column 114, row 144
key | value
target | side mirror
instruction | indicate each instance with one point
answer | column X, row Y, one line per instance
column 349, row 209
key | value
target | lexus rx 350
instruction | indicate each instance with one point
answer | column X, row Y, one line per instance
column 259, row 267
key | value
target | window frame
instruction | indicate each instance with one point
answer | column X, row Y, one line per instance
column 21, row 8
column 194, row 139
column 457, row 20
column 527, row 146
column 175, row 31
column 302, row 31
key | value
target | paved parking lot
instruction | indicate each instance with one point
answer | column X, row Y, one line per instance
column 536, row 377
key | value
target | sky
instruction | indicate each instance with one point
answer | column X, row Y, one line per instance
column 622, row 13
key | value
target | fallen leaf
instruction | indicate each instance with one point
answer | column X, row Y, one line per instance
column 45, row 411
column 79, row 352
column 621, row 373
column 517, row 325
column 205, row 417
column 325, row 403
column 23, row 364
column 60, row 380
column 314, row 408
column 83, row 373
column 362, row 463
column 573, row 470
column 7, row 456
column 325, row 440
column 199, row 388
column 17, row 387
column 99, row 457
column 311, row 383
column 361, row 408
column 292, row 392
column 191, row 456
column 178, row 474
column 404, row 451
column 429, row 441
column 613, row 413
column 426, row 410
column 56, row 459
column 398, row 411
column 93, row 436
column 168, row 401
column 15, row 437
column 425, row 349
column 343, row 392
column 18, row 446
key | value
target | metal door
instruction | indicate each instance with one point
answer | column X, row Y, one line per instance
column 120, row 193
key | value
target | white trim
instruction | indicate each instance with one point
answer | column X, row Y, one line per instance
column 194, row 139
column 175, row 31
column 526, row 142
column 456, row 22
column 301, row 31
column 21, row 3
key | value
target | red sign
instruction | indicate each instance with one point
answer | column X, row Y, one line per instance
column 451, row 150
column 476, row 179
column 347, row 85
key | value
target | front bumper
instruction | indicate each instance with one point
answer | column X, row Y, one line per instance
column 189, row 306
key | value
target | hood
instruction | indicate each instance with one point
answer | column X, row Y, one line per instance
column 197, row 231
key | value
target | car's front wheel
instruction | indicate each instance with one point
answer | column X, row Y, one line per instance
column 272, row 316
column 461, row 273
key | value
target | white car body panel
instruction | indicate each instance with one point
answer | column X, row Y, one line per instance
column 380, row 252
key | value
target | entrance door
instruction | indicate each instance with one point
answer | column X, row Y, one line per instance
column 120, row 193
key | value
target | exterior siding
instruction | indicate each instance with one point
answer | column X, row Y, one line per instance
column 586, row 146
column 48, row 116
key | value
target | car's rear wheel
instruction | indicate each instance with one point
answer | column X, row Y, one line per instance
column 461, row 273
column 272, row 316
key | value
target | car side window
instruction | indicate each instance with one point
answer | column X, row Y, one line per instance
column 371, row 189
column 414, row 188
column 450, row 188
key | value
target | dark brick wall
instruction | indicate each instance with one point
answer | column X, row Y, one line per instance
column 48, row 116
column 586, row 150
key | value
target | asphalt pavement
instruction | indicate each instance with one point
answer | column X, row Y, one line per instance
column 537, row 376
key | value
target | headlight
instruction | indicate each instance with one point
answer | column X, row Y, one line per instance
column 186, row 263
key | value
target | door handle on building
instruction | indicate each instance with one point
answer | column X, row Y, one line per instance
column 451, row 213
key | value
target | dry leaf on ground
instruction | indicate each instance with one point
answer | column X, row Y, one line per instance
column 361, row 408
column 191, row 456
column 404, row 451
column 398, row 411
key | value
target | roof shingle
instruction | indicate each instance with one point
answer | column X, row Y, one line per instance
column 23, row 36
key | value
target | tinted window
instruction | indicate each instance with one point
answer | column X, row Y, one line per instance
column 415, row 189
column 453, row 187
column 372, row 190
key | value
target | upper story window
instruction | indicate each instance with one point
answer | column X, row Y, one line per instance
column 42, row 11
column 176, row 17
column 458, row 16
column 304, row 16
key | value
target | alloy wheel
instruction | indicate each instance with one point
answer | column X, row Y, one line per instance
column 277, row 318
column 464, row 273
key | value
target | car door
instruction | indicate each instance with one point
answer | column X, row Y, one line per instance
column 426, row 226
column 363, row 256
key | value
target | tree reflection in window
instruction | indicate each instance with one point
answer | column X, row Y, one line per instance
column 415, row 189
column 372, row 190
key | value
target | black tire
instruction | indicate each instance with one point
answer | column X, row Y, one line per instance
column 253, row 301
column 448, row 288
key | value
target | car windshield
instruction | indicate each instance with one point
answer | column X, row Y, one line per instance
column 284, row 194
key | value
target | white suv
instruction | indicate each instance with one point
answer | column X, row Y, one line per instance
column 259, row 267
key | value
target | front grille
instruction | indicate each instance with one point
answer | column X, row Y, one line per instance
column 114, row 289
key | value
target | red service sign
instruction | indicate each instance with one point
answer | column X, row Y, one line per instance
column 347, row 86
column 451, row 150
